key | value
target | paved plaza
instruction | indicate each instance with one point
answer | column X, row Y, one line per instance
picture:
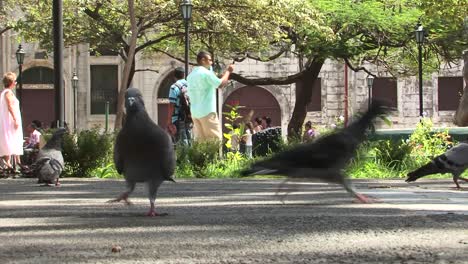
column 233, row 221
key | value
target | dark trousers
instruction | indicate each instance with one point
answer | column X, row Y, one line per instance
column 184, row 133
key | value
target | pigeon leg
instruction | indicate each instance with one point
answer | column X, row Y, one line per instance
column 57, row 183
column 361, row 197
column 287, row 191
column 124, row 196
column 455, row 180
column 153, row 189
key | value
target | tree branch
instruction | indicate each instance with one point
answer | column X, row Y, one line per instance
column 356, row 69
column 269, row 80
column 174, row 57
column 147, row 69
column 154, row 41
column 5, row 29
column 270, row 58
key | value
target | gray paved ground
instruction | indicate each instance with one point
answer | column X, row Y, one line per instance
column 233, row 222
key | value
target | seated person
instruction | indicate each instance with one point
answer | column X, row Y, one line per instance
column 34, row 137
column 309, row 132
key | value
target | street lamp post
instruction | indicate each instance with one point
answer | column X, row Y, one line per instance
column 186, row 10
column 57, row 17
column 370, row 82
column 74, row 81
column 20, row 59
column 420, row 40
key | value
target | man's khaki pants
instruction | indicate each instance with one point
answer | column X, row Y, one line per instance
column 207, row 128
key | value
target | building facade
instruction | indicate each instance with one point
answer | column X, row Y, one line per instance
column 99, row 78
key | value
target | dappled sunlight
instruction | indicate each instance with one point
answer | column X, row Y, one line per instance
column 228, row 219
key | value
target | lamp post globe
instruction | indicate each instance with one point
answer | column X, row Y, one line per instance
column 20, row 53
column 186, row 10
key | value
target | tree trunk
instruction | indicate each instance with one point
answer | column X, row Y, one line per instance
column 303, row 95
column 461, row 115
column 127, row 68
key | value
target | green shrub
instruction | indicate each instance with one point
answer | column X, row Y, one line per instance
column 106, row 172
column 86, row 151
column 426, row 144
column 194, row 159
column 392, row 153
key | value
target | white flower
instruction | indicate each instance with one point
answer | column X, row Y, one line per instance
column 333, row 126
column 341, row 118
column 424, row 114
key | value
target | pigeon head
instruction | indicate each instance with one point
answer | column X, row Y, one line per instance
column 134, row 100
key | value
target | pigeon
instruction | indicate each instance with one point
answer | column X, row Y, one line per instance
column 454, row 161
column 326, row 157
column 143, row 151
column 49, row 162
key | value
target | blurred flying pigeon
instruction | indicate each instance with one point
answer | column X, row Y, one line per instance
column 326, row 157
column 49, row 163
column 143, row 151
column 454, row 161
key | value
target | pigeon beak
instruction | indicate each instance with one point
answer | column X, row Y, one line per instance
column 131, row 101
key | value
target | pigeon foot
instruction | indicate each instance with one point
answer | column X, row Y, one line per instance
column 153, row 213
column 122, row 197
column 364, row 199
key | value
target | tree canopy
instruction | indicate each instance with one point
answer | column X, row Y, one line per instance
column 354, row 31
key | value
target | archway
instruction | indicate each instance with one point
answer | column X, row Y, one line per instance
column 255, row 99
column 38, row 95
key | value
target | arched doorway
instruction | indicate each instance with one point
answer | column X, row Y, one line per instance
column 163, row 98
column 38, row 95
column 255, row 99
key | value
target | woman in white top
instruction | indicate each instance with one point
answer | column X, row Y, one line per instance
column 248, row 139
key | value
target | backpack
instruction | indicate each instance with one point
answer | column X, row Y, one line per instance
column 184, row 107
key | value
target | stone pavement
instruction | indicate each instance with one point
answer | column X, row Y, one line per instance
column 234, row 221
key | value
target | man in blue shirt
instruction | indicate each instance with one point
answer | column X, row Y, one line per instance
column 178, row 123
column 202, row 85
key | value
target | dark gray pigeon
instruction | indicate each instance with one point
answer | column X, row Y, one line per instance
column 454, row 161
column 49, row 163
column 326, row 157
column 143, row 151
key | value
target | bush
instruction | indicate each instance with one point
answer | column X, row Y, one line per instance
column 192, row 160
column 427, row 144
column 267, row 141
column 86, row 151
column 392, row 154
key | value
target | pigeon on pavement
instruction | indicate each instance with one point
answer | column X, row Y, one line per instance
column 454, row 161
column 143, row 151
column 326, row 157
column 49, row 163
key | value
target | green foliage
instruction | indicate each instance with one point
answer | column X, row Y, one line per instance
column 232, row 117
column 427, row 144
column 392, row 153
column 86, row 151
column 106, row 172
column 192, row 160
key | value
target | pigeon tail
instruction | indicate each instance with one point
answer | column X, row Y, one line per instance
column 428, row 169
column 376, row 109
column 257, row 170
